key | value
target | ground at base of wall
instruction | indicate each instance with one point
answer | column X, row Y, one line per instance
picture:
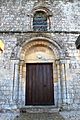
column 8, row 115
column 68, row 115
column 40, row 116
column 71, row 115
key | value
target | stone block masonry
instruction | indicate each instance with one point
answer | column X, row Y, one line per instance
column 16, row 29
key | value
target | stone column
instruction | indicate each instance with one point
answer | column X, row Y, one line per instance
column 31, row 22
column 15, row 88
column 49, row 23
column 21, row 93
column 62, row 82
column 64, row 89
column 59, row 88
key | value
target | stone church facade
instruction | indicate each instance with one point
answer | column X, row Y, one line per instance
column 40, row 64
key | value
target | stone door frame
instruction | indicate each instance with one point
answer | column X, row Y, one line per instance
column 58, row 63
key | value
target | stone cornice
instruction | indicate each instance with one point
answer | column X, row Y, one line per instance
column 66, row 32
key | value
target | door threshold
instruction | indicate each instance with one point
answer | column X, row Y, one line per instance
column 39, row 106
column 39, row 109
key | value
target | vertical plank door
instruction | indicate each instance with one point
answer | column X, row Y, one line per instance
column 39, row 84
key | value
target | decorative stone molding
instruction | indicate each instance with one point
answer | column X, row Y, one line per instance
column 21, row 39
column 30, row 40
column 25, row 44
column 15, row 53
column 42, row 6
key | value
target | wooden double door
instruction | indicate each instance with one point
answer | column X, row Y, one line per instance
column 39, row 84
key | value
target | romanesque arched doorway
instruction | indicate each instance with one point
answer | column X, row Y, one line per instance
column 39, row 83
column 38, row 71
column 41, row 62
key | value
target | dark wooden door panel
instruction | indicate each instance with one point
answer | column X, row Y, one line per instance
column 39, row 84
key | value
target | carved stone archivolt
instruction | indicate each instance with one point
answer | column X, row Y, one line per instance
column 26, row 41
column 38, row 46
column 21, row 39
column 42, row 5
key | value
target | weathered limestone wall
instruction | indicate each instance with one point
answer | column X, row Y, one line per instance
column 6, row 71
column 17, row 17
column 71, row 94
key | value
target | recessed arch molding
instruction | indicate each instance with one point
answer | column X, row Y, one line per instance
column 56, row 47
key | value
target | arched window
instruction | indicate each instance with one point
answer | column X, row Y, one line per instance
column 40, row 21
